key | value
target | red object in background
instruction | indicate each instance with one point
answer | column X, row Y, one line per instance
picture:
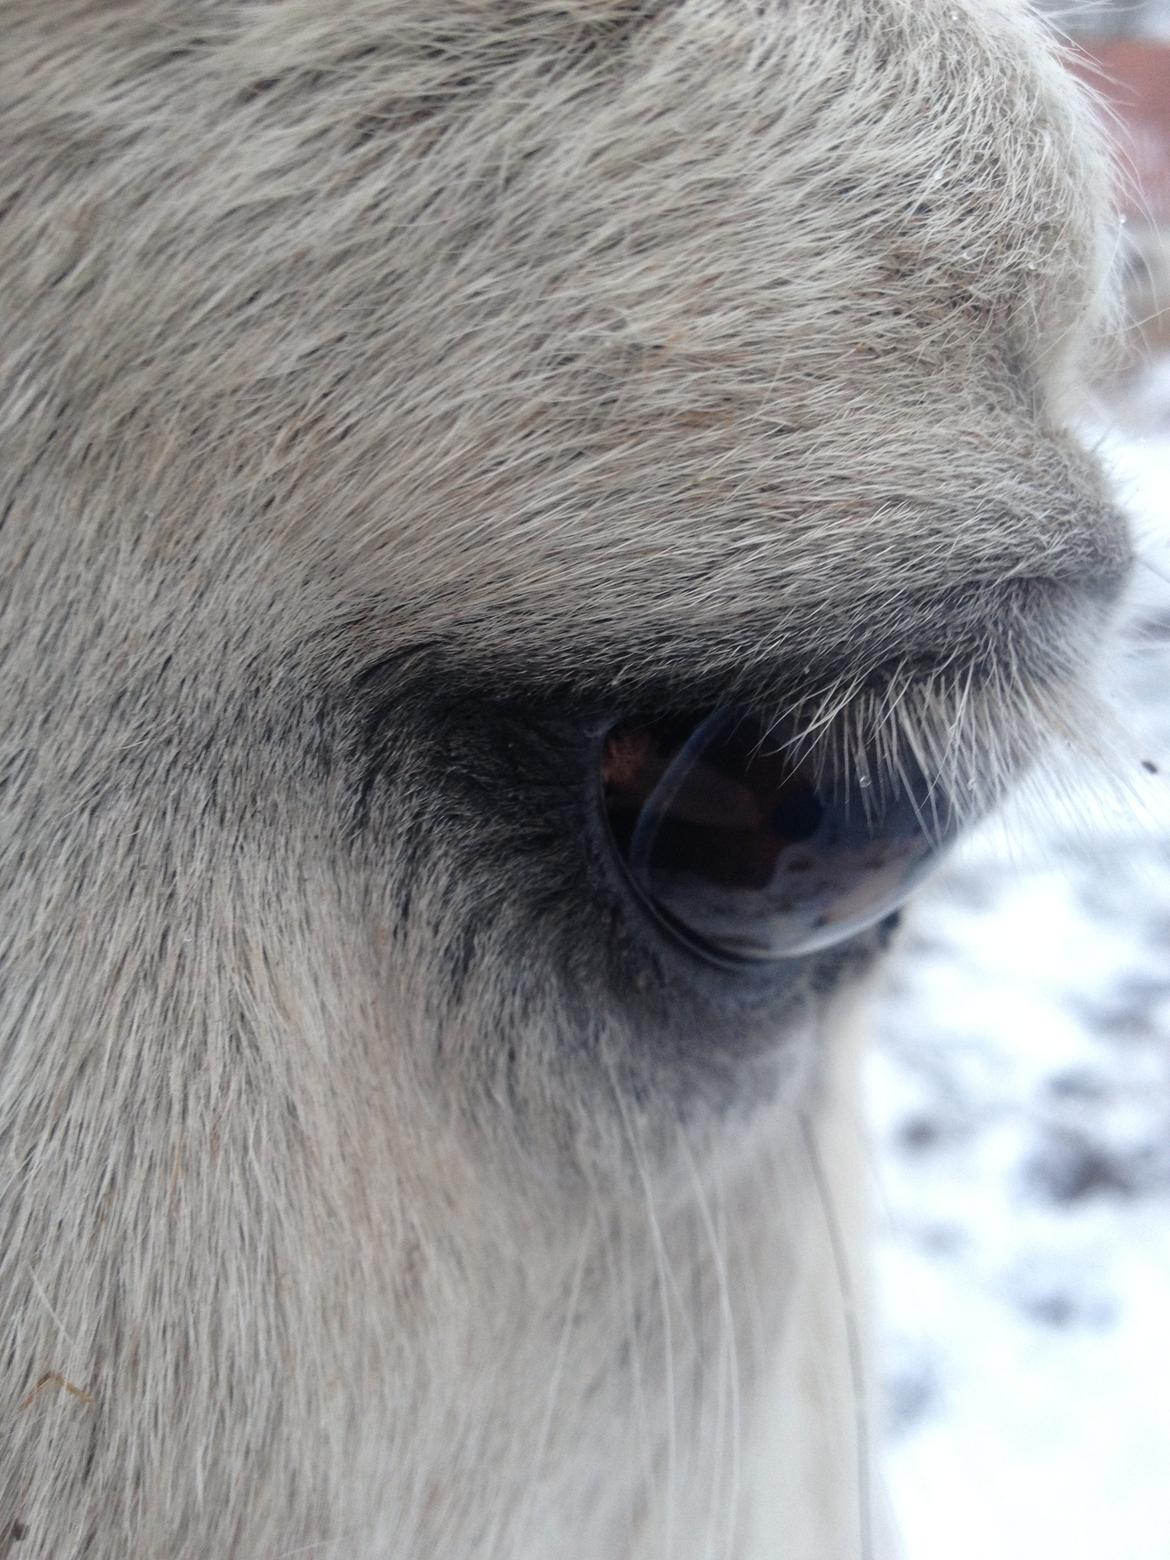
column 1133, row 76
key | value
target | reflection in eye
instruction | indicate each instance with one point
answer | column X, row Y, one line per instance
column 749, row 853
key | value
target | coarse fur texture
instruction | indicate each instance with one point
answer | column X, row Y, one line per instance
column 394, row 393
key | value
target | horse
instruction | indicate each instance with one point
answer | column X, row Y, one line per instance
column 527, row 528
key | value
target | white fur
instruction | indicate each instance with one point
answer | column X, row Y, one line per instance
column 372, row 370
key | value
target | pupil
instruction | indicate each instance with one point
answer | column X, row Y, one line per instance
column 798, row 817
column 748, row 854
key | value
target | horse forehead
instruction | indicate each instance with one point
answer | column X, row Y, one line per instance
column 717, row 297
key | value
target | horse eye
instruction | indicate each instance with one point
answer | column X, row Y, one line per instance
column 746, row 852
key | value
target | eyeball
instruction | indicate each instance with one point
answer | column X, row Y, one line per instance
column 747, row 853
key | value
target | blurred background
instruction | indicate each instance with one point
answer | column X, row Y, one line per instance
column 1020, row 1093
column 1110, row 18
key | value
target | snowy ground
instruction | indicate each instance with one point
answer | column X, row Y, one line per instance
column 1021, row 1100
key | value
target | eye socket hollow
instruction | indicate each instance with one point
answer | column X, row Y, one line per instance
column 748, row 853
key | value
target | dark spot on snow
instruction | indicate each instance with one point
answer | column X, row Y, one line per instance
column 911, row 1393
column 919, row 1132
column 1060, row 1308
column 942, row 1240
column 1145, row 990
column 1053, row 1310
column 1126, row 1013
column 1077, row 1084
column 1069, row 1169
column 949, row 1125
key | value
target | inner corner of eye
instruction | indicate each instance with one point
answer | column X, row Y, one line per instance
column 626, row 757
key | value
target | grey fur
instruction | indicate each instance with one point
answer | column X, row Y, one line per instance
column 391, row 389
